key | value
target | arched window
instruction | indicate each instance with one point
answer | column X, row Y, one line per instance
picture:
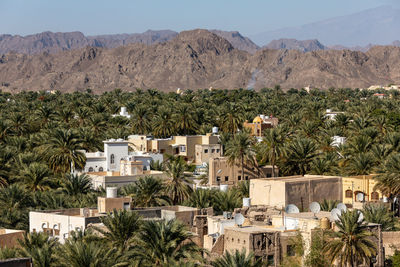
column 375, row 196
column 349, row 193
column 112, row 159
column 101, row 169
column 91, row 169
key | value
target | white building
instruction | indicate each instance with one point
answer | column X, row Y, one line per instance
column 332, row 114
column 123, row 113
column 338, row 141
column 115, row 150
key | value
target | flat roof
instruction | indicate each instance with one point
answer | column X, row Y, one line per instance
column 255, row 229
column 298, row 177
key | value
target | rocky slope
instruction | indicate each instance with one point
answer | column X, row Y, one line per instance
column 196, row 59
column 293, row 44
column 55, row 42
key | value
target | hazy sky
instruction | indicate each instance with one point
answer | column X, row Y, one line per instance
column 129, row 16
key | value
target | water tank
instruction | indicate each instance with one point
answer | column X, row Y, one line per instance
column 227, row 215
column 111, row 192
column 123, row 110
column 246, row 202
column 328, row 110
column 385, row 199
column 223, row 187
column 214, row 130
column 325, row 223
column 262, row 117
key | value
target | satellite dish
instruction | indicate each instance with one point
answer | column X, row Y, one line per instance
column 360, row 217
column 291, row 208
column 85, row 212
column 341, row 207
column 360, row 197
column 335, row 213
column 239, row 219
column 315, row 207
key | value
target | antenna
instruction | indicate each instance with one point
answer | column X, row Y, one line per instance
column 291, row 208
column 315, row 208
column 341, row 207
column 360, row 197
column 239, row 219
column 335, row 213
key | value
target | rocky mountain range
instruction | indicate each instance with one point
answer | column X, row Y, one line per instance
column 293, row 44
column 192, row 60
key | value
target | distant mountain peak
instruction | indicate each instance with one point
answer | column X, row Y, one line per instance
column 293, row 44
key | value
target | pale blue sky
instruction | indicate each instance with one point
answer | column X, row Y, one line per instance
column 128, row 16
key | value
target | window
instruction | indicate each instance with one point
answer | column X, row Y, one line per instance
column 290, row 251
column 349, row 193
column 218, row 178
column 91, row 169
column 246, row 178
column 226, row 178
column 112, row 159
column 183, row 148
column 217, row 150
column 101, row 169
column 375, row 196
column 212, row 150
column 205, row 150
column 239, row 177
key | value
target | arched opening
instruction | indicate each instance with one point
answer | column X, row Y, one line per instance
column 355, row 196
column 349, row 193
column 374, row 196
column 112, row 159
column 101, row 169
column 91, row 169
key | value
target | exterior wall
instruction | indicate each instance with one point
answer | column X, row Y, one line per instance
column 65, row 220
column 302, row 193
column 218, row 224
column 360, row 184
column 117, row 148
column 105, row 205
column 147, row 158
column 118, row 181
column 219, row 168
column 9, row 238
column 235, row 240
column 95, row 164
column 131, row 167
column 138, row 142
column 19, row 262
column 203, row 153
column 268, row 192
column 391, row 242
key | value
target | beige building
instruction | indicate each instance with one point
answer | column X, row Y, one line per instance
column 9, row 238
column 299, row 190
column 360, row 184
column 184, row 146
column 260, row 123
column 221, row 172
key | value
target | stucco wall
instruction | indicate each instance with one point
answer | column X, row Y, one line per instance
column 9, row 238
column 267, row 192
column 236, row 240
column 391, row 242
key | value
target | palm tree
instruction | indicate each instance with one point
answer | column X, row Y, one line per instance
column 360, row 164
column 240, row 150
column 236, row 259
column 140, row 121
column 62, row 150
column 78, row 253
column 200, row 198
column 272, row 145
column 122, row 226
column 160, row 242
column 178, row 186
column 379, row 214
column 185, row 119
column 328, row 204
column 388, row 180
column 75, row 184
column 163, row 124
column 148, row 191
column 36, row 177
column 353, row 243
column 226, row 201
column 301, row 152
column 231, row 117
column 40, row 247
column 8, row 253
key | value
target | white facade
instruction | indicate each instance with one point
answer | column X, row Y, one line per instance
column 109, row 160
column 332, row 114
column 338, row 141
column 147, row 158
column 123, row 113
column 60, row 223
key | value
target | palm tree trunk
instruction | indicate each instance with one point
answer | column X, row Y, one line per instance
column 273, row 162
column 242, row 158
